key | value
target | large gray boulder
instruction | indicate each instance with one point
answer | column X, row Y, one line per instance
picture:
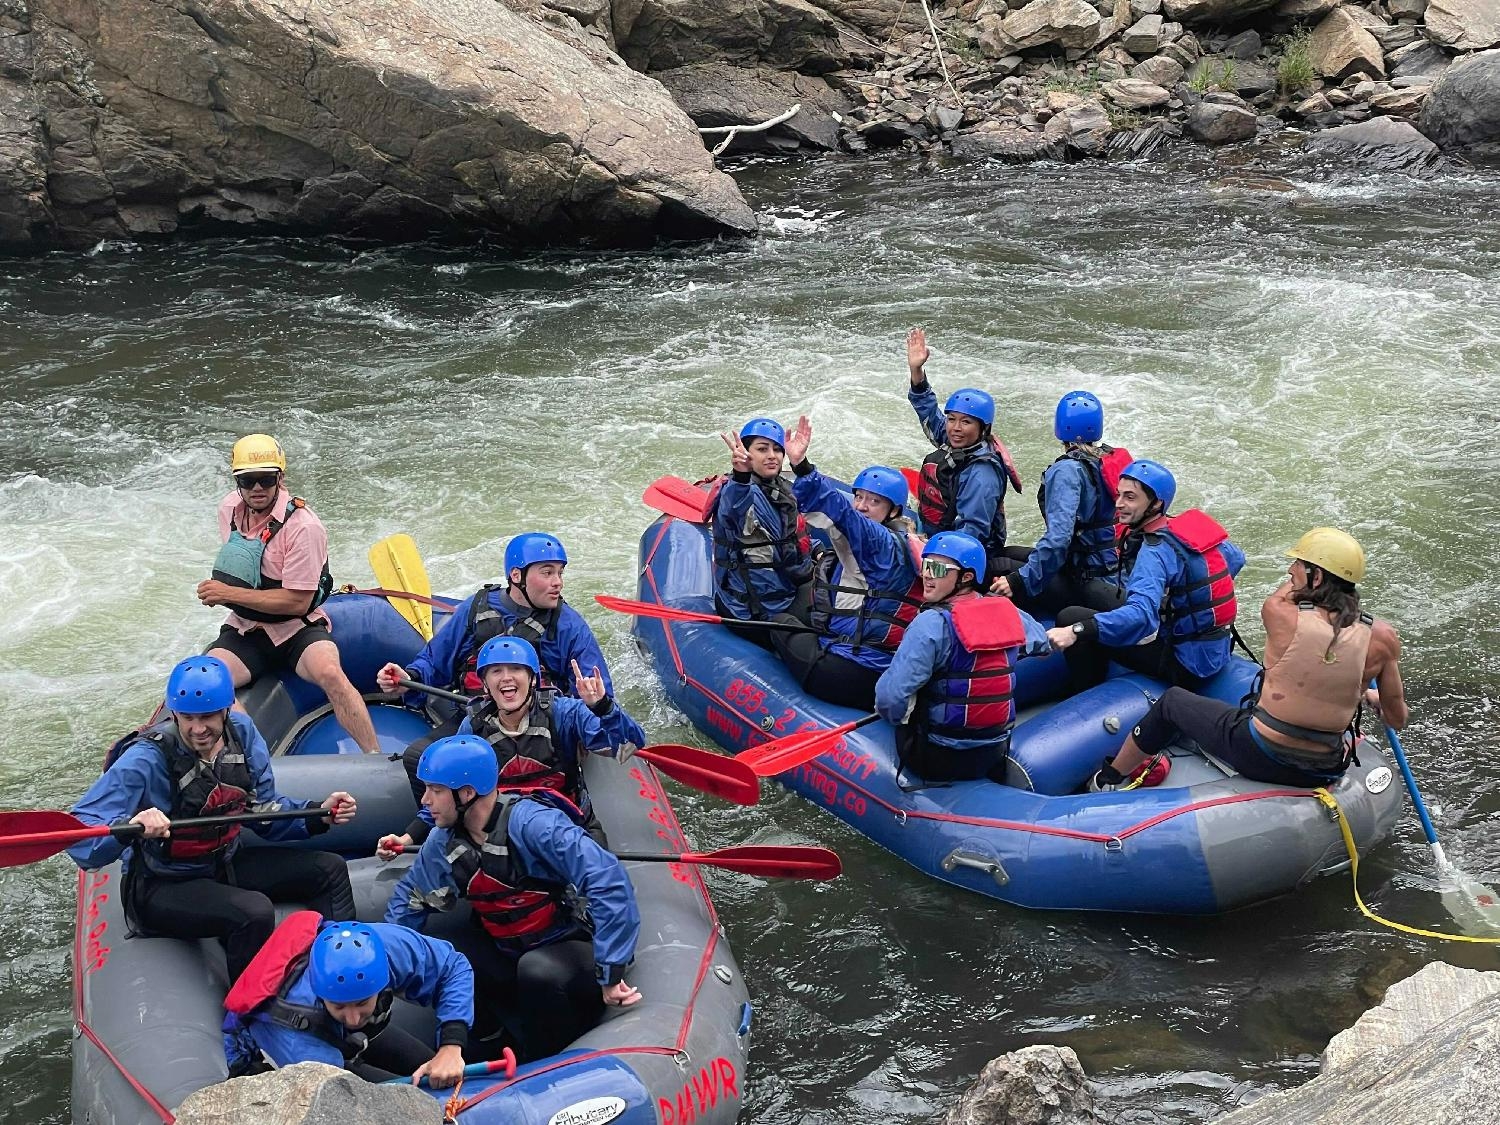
column 308, row 1094
column 720, row 94
column 1468, row 25
column 1218, row 123
column 1068, row 23
column 785, row 34
column 1215, row 11
column 1381, row 142
column 1429, row 1053
column 873, row 17
column 389, row 117
column 1305, row 9
column 1463, row 111
column 1038, row 1085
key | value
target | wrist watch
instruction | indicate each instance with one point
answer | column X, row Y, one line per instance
column 1078, row 628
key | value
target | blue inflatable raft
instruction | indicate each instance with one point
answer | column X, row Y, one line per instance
column 1207, row 841
column 148, row 1009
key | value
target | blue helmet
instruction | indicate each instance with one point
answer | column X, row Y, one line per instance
column 976, row 404
column 459, row 760
column 768, row 428
column 347, row 963
column 200, row 685
column 1156, row 478
column 884, row 482
column 531, row 548
column 963, row 549
column 1080, row 417
column 508, row 650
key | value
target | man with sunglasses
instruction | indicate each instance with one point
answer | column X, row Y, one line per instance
column 949, row 689
column 272, row 574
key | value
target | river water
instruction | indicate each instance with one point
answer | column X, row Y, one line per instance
column 1321, row 356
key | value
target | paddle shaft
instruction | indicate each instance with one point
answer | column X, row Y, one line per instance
column 441, row 693
column 668, row 613
column 88, row 832
column 1416, row 797
column 788, row 862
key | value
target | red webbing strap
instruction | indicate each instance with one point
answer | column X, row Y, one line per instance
column 382, row 592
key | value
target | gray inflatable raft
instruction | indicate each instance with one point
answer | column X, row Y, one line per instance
column 148, row 1010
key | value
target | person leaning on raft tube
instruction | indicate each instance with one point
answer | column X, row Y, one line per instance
column 322, row 992
column 762, row 563
column 1174, row 624
column 530, row 607
column 204, row 760
column 537, row 735
column 542, row 965
column 1321, row 652
column 1072, row 562
column 272, row 574
column 963, row 481
column 865, row 591
column 949, row 691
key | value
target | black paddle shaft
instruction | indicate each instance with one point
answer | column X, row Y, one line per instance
column 236, row 818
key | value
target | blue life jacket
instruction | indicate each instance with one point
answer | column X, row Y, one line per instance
column 972, row 697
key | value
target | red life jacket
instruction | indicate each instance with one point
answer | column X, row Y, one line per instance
column 937, row 487
column 972, row 697
column 519, row 911
column 263, row 986
column 1202, row 605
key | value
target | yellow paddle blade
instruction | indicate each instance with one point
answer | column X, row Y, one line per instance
column 398, row 566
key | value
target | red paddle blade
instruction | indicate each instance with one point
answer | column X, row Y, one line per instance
column 679, row 498
column 725, row 778
column 913, row 480
column 771, row 758
column 646, row 609
column 26, row 837
column 772, row 862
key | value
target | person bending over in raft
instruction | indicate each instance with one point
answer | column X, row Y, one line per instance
column 1321, row 651
column 537, row 735
column 762, row 562
column 963, row 481
column 204, row 760
column 530, row 607
column 522, row 861
column 1179, row 602
column 949, row 691
column 1073, row 561
column 865, row 591
column 272, row 574
column 322, row 991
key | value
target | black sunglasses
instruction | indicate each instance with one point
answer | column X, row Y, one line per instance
column 248, row 481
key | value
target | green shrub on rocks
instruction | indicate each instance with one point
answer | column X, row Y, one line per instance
column 1206, row 78
column 1295, row 70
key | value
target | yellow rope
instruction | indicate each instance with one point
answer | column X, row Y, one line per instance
column 1328, row 799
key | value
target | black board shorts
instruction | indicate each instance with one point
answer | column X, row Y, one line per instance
column 259, row 655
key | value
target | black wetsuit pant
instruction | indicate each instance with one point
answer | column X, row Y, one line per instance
column 930, row 761
column 1089, row 659
column 1060, row 591
column 823, row 673
column 1221, row 730
column 393, row 1053
column 800, row 610
column 240, row 909
column 543, row 1000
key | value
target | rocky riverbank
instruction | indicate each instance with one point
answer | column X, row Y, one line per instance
column 1422, row 1054
column 556, row 121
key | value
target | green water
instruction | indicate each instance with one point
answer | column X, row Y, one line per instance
column 1326, row 357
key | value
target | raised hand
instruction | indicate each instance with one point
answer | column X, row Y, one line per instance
column 590, row 688
column 739, row 457
column 917, row 354
column 798, row 440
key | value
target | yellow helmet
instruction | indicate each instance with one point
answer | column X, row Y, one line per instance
column 1333, row 550
column 257, row 451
